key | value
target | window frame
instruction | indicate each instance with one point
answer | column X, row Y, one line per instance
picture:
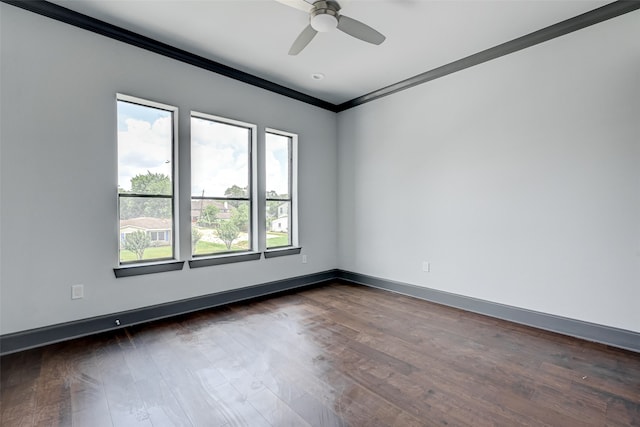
column 137, row 267
column 293, row 226
column 253, row 252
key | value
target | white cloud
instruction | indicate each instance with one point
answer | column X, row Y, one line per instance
column 219, row 157
column 142, row 147
column 219, row 154
column 276, row 174
column 277, row 162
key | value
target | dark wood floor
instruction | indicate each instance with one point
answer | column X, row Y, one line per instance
column 339, row 355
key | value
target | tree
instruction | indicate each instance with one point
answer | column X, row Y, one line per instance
column 240, row 217
column 228, row 232
column 149, row 183
column 272, row 206
column 272, row 209
column 196, row 235
column 209, row 216
column 235, row 191
column 137, row 242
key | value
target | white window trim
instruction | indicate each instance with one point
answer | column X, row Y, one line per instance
column 294, row 224
column 146, row 267
column 230, row 257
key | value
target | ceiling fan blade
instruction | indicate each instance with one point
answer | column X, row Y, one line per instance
column 359, row 30
column 303, row 40
column 297, row 4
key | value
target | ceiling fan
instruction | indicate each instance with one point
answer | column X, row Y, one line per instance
column 325, row 16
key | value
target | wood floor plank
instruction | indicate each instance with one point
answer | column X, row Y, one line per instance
column 185, row 382
column 161, row 404
column 97, row 416
column 18, row 404
column 333, row 355
column 399, row 348
column 274, row 410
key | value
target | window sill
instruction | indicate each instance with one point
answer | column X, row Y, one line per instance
column 273, row 253
column 224, row 259
column 140, row 269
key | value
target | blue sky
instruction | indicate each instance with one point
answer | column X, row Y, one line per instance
column 128, row 110
column 144, row 142
column 219, row 152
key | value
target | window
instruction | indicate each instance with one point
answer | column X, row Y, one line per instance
column 222, row 212
column 281, row 206
column 160, row 235
column 146, row 182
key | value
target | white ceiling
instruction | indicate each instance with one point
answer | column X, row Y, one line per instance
column 254, row 36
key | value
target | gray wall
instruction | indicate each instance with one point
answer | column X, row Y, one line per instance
column 517, row 180
column 58, row 172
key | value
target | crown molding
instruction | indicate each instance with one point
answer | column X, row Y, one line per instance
column 562, row 28
column 567, row 26
column 62, row 14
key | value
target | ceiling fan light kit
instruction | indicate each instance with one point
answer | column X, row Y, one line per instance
column 324, row 23
column 325, row 16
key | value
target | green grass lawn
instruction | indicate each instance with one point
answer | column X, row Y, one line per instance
column 149, row 253
column 282, row 239
column 203, row 248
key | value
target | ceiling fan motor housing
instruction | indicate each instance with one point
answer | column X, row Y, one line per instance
column 324, row 16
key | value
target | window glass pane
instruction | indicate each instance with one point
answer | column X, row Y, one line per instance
column 219, row 226
column 219, row 159
column 278, row 227
column 146, row 229
column 277, row 161
column 145, row 139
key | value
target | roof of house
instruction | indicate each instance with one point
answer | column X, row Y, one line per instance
column 147, row 223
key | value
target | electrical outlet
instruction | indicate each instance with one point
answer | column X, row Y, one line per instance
column 425, row 266
column 304, row 259
column 77, row 291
